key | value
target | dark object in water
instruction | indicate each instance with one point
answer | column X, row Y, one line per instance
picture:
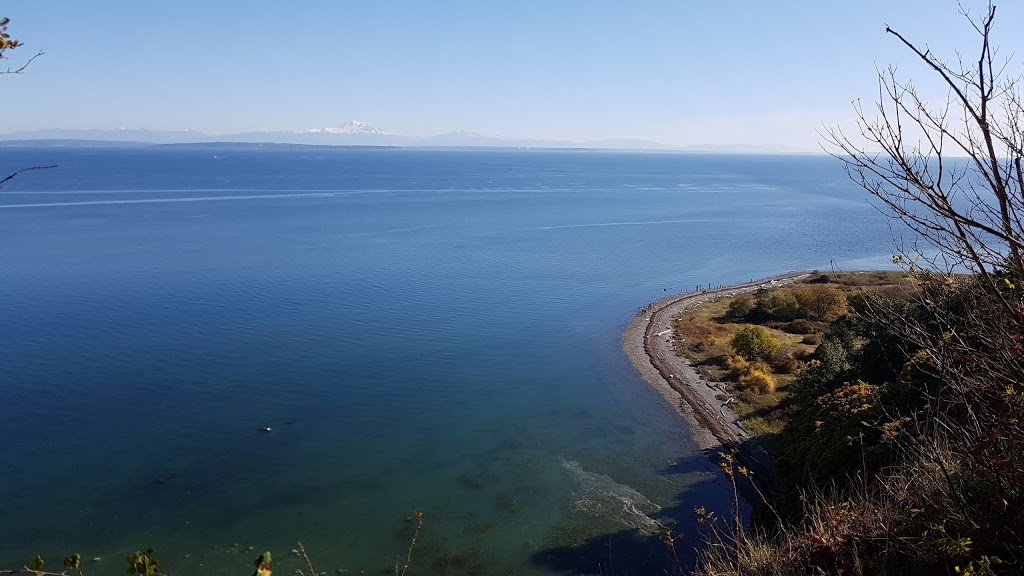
column 163, row 479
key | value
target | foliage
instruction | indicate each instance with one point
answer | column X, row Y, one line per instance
column 741, row 306
column 760, row 380
column 6, row 43
column 823, row 373
column 785, row 363
column 866, row 533
column 803, row 326
column 778, row 305
column 737, row 365
column 263, row 565
column 784, row 305
column 143, row 563
column 821, row 302
column 904, row 453
column 752, row 342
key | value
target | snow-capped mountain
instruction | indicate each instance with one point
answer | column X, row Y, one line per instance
column 350, row 127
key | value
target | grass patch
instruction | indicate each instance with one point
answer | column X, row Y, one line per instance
column 861, row 279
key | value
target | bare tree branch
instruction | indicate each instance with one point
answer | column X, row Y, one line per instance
column 16, row 172
column 22, row 68
column 970, row 209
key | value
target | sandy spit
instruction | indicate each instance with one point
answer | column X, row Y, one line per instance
column 648, row 344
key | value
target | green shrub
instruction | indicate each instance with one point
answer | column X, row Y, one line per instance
column 785, row 364
column 754, row 342
column 783, row 305
column 803, row 326
column 821, row 302
column 741, row 306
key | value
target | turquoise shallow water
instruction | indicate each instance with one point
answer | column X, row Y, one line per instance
column 435, row 330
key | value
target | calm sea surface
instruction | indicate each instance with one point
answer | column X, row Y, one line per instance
column 433, row 330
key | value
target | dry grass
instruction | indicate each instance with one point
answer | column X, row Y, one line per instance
column 895, row 527
column 702, row 336
column 875, row 278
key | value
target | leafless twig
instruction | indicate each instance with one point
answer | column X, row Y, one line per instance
column 302, row 549
column 415, row 535
column 16, row 172
column 22, row 68
column 27, row 570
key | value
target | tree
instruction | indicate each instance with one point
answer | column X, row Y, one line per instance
column 754, row 342
column 952, row 172
column 741, row 306
column 783, row 305
column 922, row 407
column 821, row 302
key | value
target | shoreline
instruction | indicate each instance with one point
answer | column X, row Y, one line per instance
column 713, row 424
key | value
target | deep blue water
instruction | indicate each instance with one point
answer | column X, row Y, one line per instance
column 435, row 330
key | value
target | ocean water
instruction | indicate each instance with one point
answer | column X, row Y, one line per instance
column 422, row 329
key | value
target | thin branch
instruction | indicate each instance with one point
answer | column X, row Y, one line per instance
column 415, row 535
column 16, row 172
column 23, row 66
column 302, row 549
column 27, row 570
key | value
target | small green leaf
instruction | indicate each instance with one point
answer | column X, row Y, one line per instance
column 73, row 562
column 37, row 563
column 263, row 565
column 143, row 563
column 263, row 559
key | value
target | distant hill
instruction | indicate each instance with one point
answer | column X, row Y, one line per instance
column 353, row 133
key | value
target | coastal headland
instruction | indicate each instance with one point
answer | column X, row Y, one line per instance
column 649, row 345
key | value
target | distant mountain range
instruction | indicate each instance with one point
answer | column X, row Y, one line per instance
column 354, row 133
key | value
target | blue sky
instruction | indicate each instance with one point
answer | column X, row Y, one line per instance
column 675, row 71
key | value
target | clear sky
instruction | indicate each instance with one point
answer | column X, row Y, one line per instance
column 682, row 72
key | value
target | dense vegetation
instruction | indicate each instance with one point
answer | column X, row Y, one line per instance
column 900, row 439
